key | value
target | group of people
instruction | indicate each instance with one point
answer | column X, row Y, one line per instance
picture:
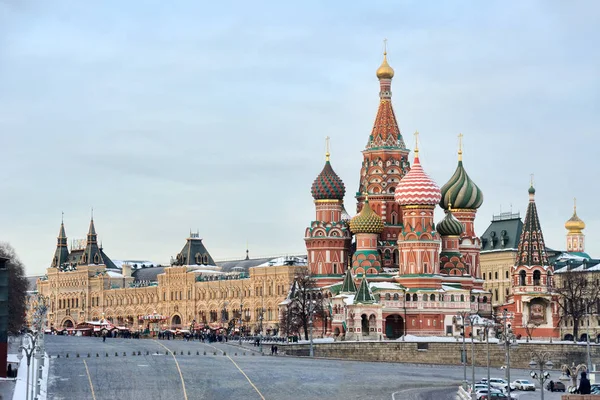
column 273, row 349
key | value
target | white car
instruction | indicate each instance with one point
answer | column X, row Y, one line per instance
column 523, row 384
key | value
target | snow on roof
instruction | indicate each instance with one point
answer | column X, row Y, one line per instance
column 349, row 299
column 114, row 274
column 449, row 288
column 119, row 263
column 385, row 285
column 285, row 260
column 206, row 271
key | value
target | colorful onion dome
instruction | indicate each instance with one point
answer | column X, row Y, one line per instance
column 328, row 185
column 461, row 191
column 416, row 187
column 575, row 224
column 366, row 221
column 385, row 71
column 449, row 226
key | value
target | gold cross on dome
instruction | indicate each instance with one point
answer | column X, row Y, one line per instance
column 460, row 136
column 384, row 46
column 327, row 148
column 416, row 143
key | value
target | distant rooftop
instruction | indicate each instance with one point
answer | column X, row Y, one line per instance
column 506, row 216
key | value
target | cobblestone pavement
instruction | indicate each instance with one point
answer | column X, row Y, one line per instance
column 156, row 375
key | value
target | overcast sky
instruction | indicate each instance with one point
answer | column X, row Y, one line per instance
column 166, row 116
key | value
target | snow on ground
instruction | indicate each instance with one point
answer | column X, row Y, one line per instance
column 318, row 340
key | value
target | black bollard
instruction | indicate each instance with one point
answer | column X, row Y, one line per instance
column 116, row 354
column 88, row 355
column 67, row 355
column 97, row 355
column 77, row 355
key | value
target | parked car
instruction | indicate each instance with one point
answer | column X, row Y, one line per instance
column 481, row 393
column 523, row 384
column 557, row 387
column 499, row 383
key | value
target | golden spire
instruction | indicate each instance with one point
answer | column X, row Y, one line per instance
column 385, row 71
column 327, row 148
column 460, row 136
column 575, row 224
column 416, row 144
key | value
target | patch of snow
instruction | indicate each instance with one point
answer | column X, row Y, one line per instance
column 114, row 274
column 285, row 260
column 119, row 263
column 318, row 340
column 385, row 285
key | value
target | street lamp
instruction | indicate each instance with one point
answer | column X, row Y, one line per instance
column 312, row 304
column 486, row 331
column 29, row 351
column 571, row 373
column 463, row 319
column 507, row 339
column 540, row 360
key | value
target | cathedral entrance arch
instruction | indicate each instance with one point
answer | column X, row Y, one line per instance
column 176, row 321
column 394, row 326
column 68, row 323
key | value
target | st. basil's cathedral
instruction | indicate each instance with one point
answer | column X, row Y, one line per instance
column 403, row 273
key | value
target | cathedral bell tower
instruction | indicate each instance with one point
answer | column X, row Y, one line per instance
column 385, row 162
column 575, row 236
column 328, row 236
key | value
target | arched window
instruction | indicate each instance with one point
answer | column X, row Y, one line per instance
column 452, row 297
column 424, row 297
column 388, row 296
column 484, row 299
column 396, row 297
column 496, row 275
column 415, row 298
column 506, row 275
column 537, row 278
column 407, row 297
column 522, row 278
column 432, row 297
column 462, row 297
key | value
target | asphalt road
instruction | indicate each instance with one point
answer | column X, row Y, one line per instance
column 156, row 375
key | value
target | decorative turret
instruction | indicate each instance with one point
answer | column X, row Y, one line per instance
column 532, row 249
column 348, row 286
column 416, row 187
column 449, row 226
column 62, row 251
column 363, row 294
column 328, row 236
column 92, row 254
column 460, row 190
column 366, row 221
column 385, row 71
column 328, row 185
column 418, row 242
column 575, row 236
column 367, row 226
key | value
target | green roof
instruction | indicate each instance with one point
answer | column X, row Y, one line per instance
column 364, row 295
column 348, row 286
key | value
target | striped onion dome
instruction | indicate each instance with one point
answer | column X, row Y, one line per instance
column 328, row 185
column 449, row 226
column 461, row 191
column 366, row 221
column 417, row 188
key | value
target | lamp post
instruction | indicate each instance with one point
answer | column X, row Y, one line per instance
column 404, row 292
column 486, row 332
column 311, row 310
column 507, row 340
column 29, row 351
column 260, row 328
column 463, row 357
column 571, row 373
column 472, row 321
column 540, row 360
column 241, row 319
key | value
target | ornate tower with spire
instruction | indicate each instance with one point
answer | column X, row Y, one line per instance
column 575, row 236
column 418, row 242
column 532, row 300
column 461, row 193
column 328, row 237
column 61, row 254
column 385, row 162
column 91, row 253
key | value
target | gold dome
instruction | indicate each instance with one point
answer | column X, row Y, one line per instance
column 385, row 71
column 574, row 224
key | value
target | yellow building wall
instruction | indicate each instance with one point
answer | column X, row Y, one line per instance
column 496, row 270
column 90, row 293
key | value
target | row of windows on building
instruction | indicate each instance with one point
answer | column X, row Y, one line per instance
column 432, row 297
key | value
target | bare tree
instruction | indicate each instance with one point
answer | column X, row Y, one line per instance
column 577, row 297
column 17, row 288
column 305, row 302
column 529, row 328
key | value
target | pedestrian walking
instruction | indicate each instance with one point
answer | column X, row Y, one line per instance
column 584, row 384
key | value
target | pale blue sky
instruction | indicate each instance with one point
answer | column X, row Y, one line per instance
column 166, row 116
